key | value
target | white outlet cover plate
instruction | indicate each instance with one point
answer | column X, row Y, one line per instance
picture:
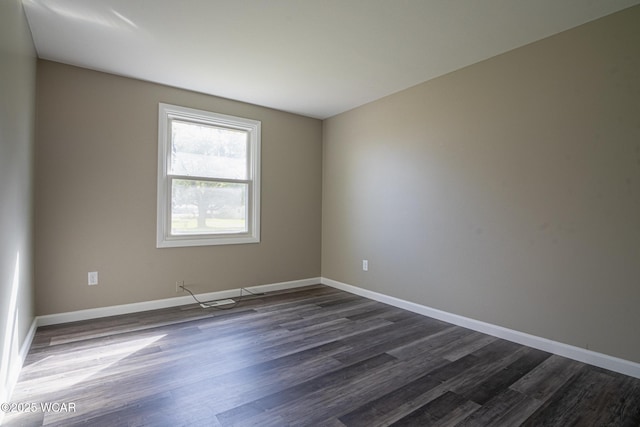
column 93, row 278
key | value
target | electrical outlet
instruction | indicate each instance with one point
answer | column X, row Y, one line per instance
column 365, row 265
column 179, row 283
column 93, row 278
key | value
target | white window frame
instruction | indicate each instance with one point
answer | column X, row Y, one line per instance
column 165, row 239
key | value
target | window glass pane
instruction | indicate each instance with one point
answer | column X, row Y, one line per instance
column 202, row 207
column 208, row 151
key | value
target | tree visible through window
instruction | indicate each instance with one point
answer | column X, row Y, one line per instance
column 208, row 178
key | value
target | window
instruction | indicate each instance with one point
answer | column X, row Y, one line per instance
column 208, row 178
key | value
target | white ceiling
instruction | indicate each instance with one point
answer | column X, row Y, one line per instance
column 312, row 57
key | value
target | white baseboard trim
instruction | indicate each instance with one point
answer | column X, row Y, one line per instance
column 16, row 366
column 572, row 352
column 94, row 313
column 285, row 285
column 601, row 360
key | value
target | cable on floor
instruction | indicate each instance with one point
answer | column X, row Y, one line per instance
column 210, row 304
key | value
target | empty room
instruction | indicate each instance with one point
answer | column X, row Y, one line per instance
column 305, row 213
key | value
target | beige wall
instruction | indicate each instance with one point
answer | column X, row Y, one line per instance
column 96, row 165
column 508, row 191
column 17, row 109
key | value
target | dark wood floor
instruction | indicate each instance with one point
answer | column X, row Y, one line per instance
column 316, row 357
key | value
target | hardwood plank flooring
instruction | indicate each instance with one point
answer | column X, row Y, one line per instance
column 314, row 356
